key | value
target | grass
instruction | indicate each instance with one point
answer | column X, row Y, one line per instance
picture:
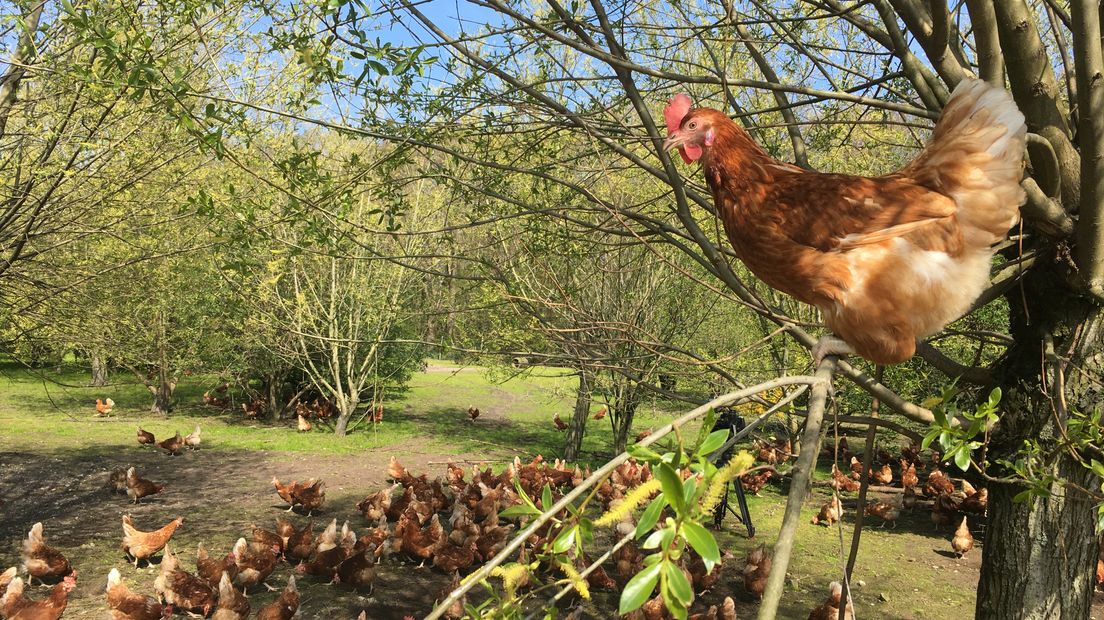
column 905, row 570
column 516, row 415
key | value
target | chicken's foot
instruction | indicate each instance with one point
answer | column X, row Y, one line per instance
column 829, row 345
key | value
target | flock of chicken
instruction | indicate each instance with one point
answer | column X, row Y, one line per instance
column 451, row 522
column 948, row 505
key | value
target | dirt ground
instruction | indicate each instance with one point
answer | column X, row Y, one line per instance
column 221, row 494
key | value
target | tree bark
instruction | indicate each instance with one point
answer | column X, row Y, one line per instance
column 345, row 408
column 579, row 419
column 162, row 397
column 99, row 371
column 626, row 411
column 1040, row 555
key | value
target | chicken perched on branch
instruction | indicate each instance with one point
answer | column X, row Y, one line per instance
column 885, row 259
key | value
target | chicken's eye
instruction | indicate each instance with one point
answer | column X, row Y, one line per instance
column 692, row 125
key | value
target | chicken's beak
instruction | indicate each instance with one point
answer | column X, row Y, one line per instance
column 673, row 140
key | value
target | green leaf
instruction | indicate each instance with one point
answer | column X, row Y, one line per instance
column 1097, row 467
column 671, row 483
column 678, row 584
column 564, row 541
column 639, row 589
column 643, row 453
column 546, row 497
column 995, row 397
column 650, row 516
column 712, row 442
column 520, row 510
column 962, row 458
column 702, row 541
column 689, row 490
column 930, row 437
column 654, row 540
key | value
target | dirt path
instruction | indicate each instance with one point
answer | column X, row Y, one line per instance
column 220, row 495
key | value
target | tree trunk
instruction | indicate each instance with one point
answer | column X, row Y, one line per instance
column 626, row 411
column 162, row 397
column 1040, row 556
column 99, row 371
column 579, row 418
column 345, row 408
column 272, row 384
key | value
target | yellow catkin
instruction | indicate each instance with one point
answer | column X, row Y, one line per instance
column 512, row 574
column 634, row 499
column 576, row 580
column 738, row 464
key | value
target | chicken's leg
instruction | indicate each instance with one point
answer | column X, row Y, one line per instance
column 829, row 345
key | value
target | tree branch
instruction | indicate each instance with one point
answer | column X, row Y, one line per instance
column 1090, row 102
column 802, row 475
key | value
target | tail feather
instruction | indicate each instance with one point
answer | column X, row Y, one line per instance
column 34, row 538
column 976, row 157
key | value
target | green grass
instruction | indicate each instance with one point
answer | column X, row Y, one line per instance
column 56, row 418
column 46, row 411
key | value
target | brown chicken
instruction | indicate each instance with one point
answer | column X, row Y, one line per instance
column 267, row 538
column 922, row 236
column 908, row 474
column 753, row 482
column 938, row 484
column 726, row 611
column 757, row 566
column 359, row 569
column 473, row 412
column 283, row 608
column 449, row 557
column 300, row 544
column 560, row 424
column 173, row 445
column 126, row 605
column 6, row 578
column 977, row 503
column 830, row 609
column 145, row 437
column 211, row 570
column 829, row 513
column 944, row 511
column 232, row 605
column 841, row 482
column 116, row 481
column 104, row 407
column 963, row 540
column 284, row 529
column 601, row 413
column 138, row 487
column 328, row 553
column 909, row 500
column 141, row 545
column 42, row 561
column 311, row 495
column 193, row 440
column 883, row 476
column 418, row 542
column 182, row 589
column 15, row 606
column 888, row 513
column 303, row 424
column 255, row 562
